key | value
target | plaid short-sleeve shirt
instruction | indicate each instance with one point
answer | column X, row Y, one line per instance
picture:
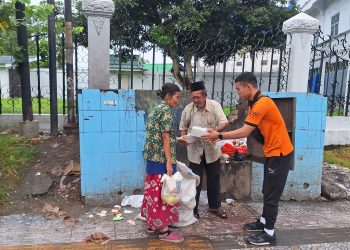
column 160, row 120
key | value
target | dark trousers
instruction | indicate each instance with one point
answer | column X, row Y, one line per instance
column 212, row 171
column 276, row 170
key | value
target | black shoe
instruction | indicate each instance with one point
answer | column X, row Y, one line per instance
column 195, row 213
column 254, row 226
column 262, row 239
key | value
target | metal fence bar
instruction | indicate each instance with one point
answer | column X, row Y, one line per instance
column 212, row 93
column 321, row 69
column 270, row 74
column 195, row 68
column 233, row 82
column 132, row 65
column 120, row 67
column 38, row 71
column 252, row 56
column 243, row 63
column 280, row 70
column 153, row 60
column 347, row 100
column 261, row 68
column 63, row 74
column 76, row 74
column 164, row 62
column 334, row 86
column 341, row 107
column 184, row 68
column 329, row 64
column 223, row 83
column 312, row 70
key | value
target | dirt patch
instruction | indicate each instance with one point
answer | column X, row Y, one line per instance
column 55, row 153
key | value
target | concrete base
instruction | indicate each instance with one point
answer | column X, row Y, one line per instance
column 337, row 130
column 235, row 180
column 71, row 128
column 12, row 121
column 29, row 128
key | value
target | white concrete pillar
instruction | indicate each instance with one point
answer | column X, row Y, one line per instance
column 98, row 13
column 301, row 27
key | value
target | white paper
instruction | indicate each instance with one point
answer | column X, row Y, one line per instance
column 190, row 138
column 198, row 131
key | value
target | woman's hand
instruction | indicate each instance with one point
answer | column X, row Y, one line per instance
column 169, row 168
column 212, row 136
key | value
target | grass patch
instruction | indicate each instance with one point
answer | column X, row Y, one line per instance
column 15, row 154
column 337, row 155
column 228, row 110
column 14, row 105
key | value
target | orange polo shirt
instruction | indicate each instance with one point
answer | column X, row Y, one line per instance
column 264, row 114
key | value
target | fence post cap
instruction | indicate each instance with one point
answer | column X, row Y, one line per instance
column 102, row 8
column 301, row 23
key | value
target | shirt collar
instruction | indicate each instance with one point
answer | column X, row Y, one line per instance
column 207, row 106
column 255, row 98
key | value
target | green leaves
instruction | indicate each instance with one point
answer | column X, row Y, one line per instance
column 78, row 30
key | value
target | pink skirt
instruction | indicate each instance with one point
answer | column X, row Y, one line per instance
column 157, row 213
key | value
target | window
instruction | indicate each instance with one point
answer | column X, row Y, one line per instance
column 263, row 62
column 274, row 62
column 334, row 25
column 239, row 63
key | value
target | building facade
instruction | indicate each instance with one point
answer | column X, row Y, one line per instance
column 329, row 67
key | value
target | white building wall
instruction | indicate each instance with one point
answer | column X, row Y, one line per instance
column 324, row 10
column 4, row 80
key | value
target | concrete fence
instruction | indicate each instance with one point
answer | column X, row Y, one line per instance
column 337, row 130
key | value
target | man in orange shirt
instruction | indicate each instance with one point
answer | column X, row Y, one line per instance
column 263, row 119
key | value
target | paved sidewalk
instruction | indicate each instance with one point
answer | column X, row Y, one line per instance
column 300, row 225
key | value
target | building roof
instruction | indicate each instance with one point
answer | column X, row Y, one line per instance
column 158, row 67
column 10, row 60
column 114, row 63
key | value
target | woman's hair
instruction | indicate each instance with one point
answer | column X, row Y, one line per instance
column 168, row 88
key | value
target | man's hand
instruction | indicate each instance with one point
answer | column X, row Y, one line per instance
column 169, row 169
column 182, row 139
column 212, row 136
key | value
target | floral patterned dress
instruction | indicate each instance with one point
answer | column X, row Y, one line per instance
column 157, row 213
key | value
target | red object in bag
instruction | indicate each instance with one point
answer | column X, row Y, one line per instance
column 242, row 150
column 230, row 150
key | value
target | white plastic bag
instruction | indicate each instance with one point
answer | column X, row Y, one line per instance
column 133, row 201
column 171, row 188
column 187, row 196
column 220, row 143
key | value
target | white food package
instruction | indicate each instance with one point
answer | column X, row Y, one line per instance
column 198, row 131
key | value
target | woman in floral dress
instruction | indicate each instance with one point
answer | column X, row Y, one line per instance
column 160, row 150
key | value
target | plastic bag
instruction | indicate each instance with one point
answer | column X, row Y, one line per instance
column 187, row 196
column 133, row 200
column 171, row 188
column 234, row 149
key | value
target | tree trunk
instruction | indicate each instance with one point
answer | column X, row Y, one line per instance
column 23, row 66
column 69, row 60
column 189, row 74
column 176, row 68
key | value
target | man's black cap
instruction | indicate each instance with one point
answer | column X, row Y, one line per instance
column 195, row 86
